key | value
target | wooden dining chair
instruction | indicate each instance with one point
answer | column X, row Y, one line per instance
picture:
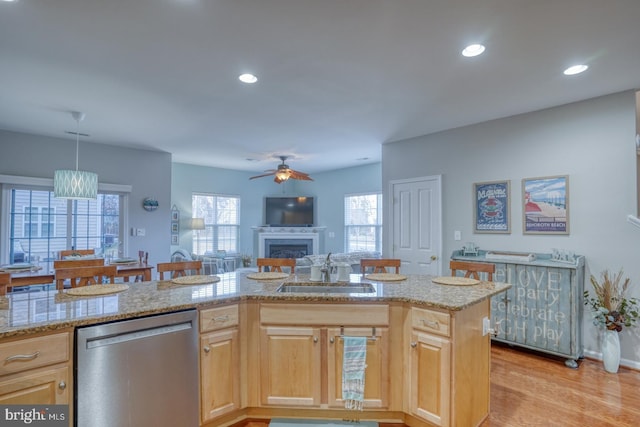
column 5, row 282
column 74, row 263
column 179, row 268
column 72, row 252
column 84, row 276
column 472, row 269
column 276, row 264
column 379, row 265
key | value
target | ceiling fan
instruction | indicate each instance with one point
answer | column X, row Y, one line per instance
column 284, row 173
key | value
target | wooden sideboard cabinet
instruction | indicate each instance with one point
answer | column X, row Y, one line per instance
column 543, row 310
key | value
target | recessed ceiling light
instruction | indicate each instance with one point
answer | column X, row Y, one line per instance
column 575, row 69
column 248, row 78
column 10, row 1
column 473, row 50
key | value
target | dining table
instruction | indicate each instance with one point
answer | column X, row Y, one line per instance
column 44, row 274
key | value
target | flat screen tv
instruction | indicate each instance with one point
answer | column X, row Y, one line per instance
column 288, row 211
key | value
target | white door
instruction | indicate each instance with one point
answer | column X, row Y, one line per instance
column 416, row 219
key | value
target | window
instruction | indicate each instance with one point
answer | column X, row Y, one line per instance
column 40, row 225
column 363, row 222
column 38, row 221
column 221, row 220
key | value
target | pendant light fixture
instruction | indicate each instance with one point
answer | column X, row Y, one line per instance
column 75, row 184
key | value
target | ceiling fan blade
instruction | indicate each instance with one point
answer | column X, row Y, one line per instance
column 299, row 175
column 263, row 175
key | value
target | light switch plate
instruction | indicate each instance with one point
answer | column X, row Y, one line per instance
column 457, row 235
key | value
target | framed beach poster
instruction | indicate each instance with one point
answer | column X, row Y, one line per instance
column 545, row 207
column 491, row 211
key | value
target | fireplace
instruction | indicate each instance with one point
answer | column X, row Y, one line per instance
column 288, row 248
column 287, row 243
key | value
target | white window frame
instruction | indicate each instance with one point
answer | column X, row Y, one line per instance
column 9, row 182
column 378, row 225
column 211, row 229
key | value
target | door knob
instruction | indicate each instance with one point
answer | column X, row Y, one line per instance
column 433, row 257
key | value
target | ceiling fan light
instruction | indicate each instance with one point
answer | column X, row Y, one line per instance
column 282, row 175
column 75, row 184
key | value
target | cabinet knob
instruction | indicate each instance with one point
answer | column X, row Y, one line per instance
column 62, row 385
column 414, row 344
column 206, row 349
column 332, row 340
column 315, row 339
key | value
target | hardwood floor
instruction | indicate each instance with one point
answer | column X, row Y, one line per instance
column 533, row 390
column 528, row 389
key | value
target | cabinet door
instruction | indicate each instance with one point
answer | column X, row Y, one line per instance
column 42, row 387
column 290, row 366
column 376, row 379
column 430, row 374
column 219, row 373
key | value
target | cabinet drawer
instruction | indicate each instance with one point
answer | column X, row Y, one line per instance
column 431, row 321
column 29, row 353
column 325, row 314
column 218, row 318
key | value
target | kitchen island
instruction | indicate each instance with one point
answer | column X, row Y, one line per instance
column 267, row 354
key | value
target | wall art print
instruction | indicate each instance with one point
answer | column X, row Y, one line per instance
column 546, row 205
column 492, row 212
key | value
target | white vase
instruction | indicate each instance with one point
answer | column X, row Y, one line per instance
column 611, row 351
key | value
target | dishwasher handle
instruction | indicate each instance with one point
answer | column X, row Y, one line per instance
column 137, row 335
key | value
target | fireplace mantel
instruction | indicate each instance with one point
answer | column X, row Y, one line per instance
column 288, row 233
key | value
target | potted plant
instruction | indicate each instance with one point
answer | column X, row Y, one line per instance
column 612, row 311
column 246, row 260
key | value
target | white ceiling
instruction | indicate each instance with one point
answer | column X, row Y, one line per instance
column 338, row 78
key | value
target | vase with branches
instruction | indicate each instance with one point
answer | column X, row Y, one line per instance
column 611, row 307
column 612, row 310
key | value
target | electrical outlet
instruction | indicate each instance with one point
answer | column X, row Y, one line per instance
column 140, row 232
column 486, row 327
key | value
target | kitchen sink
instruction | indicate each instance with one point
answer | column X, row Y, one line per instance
column 326, row 288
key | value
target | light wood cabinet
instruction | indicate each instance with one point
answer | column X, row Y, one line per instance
column 219, row 362
column 36, row 370
column 448, row 357
column 290, row 366
column 430, row 377
column 301, row 349
column 376, row 379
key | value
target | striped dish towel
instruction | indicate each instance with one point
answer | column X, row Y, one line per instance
column 353, row 367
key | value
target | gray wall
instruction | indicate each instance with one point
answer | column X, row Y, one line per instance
column 148, row 172
column 591, row 141
column 329, row 189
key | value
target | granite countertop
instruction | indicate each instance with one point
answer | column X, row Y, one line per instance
column 29, row 312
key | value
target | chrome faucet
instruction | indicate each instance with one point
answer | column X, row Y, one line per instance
column 326, row 269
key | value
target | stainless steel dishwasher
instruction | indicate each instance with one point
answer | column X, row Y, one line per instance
column 139, row 372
